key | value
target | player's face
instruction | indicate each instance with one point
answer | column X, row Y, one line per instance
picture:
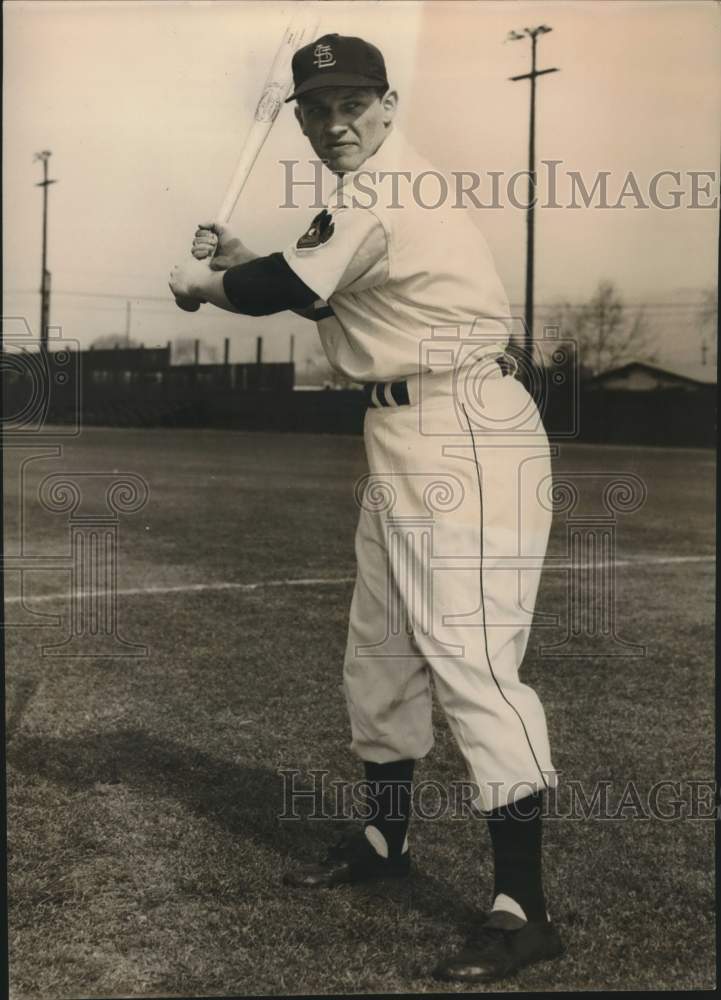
column 345, row 125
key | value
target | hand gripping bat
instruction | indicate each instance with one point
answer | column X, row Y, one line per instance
column 300, row 31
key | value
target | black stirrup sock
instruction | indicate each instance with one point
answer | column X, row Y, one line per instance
column 389, row 799
column 516, row 837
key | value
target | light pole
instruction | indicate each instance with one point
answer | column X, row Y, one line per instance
column 44, row 156
column 515, row 36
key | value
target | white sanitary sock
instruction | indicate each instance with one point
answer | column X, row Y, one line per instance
column 508, row 905
column 379, row 843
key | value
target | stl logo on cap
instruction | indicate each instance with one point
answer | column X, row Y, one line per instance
column 323, row 56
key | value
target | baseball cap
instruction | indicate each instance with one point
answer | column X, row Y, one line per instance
column 337, row 61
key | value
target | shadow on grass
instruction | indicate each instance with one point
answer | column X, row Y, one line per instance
column 243, row 800
column 24, row 692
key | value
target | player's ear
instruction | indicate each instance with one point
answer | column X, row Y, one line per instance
column 389, row 101
column 299, row 118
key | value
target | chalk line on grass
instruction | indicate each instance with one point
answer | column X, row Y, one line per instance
column 189, row 588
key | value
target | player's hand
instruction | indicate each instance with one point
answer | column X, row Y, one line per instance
column 215, row 241
column 187, row 280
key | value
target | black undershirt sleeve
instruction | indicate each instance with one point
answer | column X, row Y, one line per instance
column 265, row 286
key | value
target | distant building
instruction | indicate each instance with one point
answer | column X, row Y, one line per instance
column 644, row 376
column 123, row 365
column 134, row 370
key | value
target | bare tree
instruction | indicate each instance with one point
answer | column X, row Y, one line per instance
column 184, row 351
column 606, row 331
column 708, row 313
column 110, row 340
column 318, row 371
column 708, row 321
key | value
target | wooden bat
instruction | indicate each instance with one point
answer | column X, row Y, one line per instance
column 300, row 31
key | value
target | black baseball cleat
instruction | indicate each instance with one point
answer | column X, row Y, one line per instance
column 499, row 947
column 349, row 861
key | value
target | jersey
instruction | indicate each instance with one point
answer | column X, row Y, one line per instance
column 387, row 277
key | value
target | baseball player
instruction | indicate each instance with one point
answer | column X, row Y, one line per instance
column 452, row 534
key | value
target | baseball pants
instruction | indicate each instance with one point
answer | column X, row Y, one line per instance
column 450, row 542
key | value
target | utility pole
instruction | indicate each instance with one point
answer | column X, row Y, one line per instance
column 515, row 36
column 44, row 156
column 128, row 315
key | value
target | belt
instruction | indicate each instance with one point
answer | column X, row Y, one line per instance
column 380, row 394
column 391, row 394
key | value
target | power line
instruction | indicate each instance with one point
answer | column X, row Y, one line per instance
column 92, row 295
column 661, row 306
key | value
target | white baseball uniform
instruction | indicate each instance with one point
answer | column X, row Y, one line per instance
column 452, row 532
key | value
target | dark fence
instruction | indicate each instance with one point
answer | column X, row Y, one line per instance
column 277, row 377
column 252, row 397
column 134, row 388
column 660, row 416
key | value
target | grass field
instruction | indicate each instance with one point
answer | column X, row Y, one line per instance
column 145, row 849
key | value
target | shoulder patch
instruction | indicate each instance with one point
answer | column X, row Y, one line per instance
column 319, row 232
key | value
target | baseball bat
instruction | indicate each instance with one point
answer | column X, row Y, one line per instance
column 301, row 30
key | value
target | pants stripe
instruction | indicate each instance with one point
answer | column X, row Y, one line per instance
column 483, row 608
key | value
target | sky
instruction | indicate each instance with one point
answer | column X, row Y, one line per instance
column 145, row 106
